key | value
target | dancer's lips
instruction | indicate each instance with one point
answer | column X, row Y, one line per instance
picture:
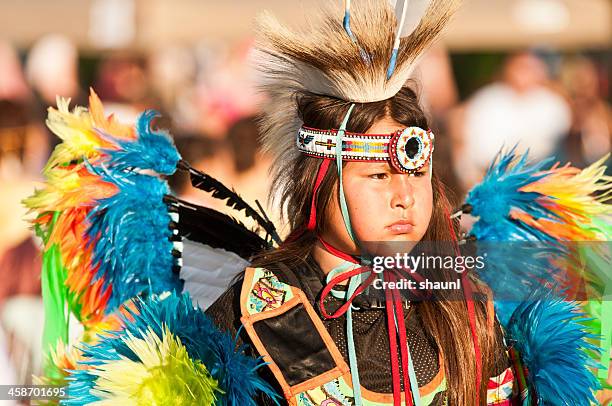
column 401, row 227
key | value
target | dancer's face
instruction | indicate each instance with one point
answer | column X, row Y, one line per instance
column 383, row 203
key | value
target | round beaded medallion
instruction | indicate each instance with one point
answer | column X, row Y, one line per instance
column 410, row 149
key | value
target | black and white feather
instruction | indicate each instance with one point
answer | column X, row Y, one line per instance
column 213, row 249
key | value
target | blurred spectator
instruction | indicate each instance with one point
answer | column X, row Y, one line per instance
column 22, row 144
column 19, row 262
column 13, row 135
column 122, row 85
column 203, row 153
column 435, row 76
column 172, row 72
column 12, row 81
column 237, row 162
column 518, row 109
column 20, row 270
column 590, row 135
column 19, row 254
column 243, row 138
column 225, row 89
column 52, row 70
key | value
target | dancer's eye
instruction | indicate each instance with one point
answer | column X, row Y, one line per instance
column 379, row 176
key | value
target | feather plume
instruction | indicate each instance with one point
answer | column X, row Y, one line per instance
column 201, row 343
column 130, row 237
column 561, row 213
column 215, row 229
column 552, row 341
column 103, row 221
column 154, row 150
column 514, row 270
column 209, row 184
column 500, row 193
column 208, row 272
column 160, row 372
column 518, row 201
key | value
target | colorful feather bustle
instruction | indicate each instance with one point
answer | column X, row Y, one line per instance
column 102, row 218
column 71, row 191
column 168, row 353
column 516, row 269
column 561, row 211
column 132, row 248
column 159, row 371
column 111, row 242
column 66, row 357
column 551, row 339
column 517, row 201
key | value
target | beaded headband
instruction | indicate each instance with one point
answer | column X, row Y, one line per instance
column 407, row 150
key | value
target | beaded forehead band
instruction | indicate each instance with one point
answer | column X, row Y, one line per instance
column 407, row 150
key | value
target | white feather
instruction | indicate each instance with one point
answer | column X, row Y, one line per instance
column 208, row 271
column 415, row 12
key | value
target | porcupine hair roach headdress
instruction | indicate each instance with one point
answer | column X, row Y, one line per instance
column 363, row 62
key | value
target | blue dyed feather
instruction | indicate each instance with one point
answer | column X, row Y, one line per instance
column 553, row 345
column 498, row 193
column 227, row 363
column 152, row 150
column 547, row 330
column 513, row 270
column 519, row 256
column 131, row 236
column 129, row 230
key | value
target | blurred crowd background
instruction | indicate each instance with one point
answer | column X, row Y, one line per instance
column 533, row 72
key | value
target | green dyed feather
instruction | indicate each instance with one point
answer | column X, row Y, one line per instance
column 598, row 306
column 54, row 296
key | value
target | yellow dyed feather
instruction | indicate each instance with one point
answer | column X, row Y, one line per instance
column 163, row 375
column 68, row 188
column 66, row 177
column 76, row 128
column 68, row 357
column 581, row 198
column 108, row 124
column 76, row 131
column 72, row 190
column 578, row 197
column 61, row 207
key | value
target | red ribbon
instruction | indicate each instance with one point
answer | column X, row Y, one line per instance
column 401, row 327
column 312, row 217
column 312, row 221
column 393, row 302
column 342, row 278
column 469, row 300
column 392, row 296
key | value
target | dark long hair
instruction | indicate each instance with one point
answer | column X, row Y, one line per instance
column 446, row 321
